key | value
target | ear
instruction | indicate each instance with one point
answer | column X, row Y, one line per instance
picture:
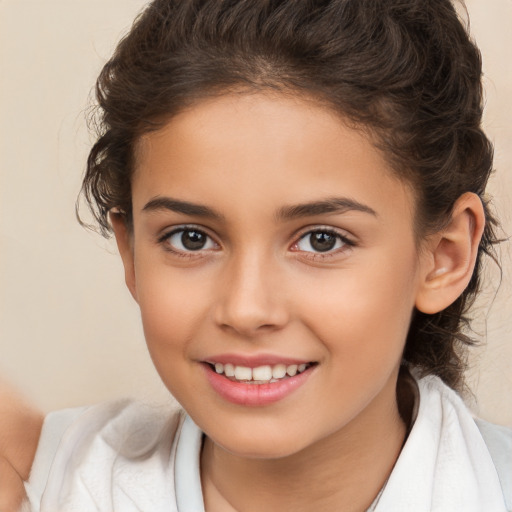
column 449, row 260
column 124, row 239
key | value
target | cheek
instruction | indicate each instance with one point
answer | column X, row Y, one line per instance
column 171, row 315
column 172, row 309
column 362, row 314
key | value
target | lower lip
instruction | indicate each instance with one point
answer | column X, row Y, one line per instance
column 254, row 394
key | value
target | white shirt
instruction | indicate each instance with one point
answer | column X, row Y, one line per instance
column 126, row 456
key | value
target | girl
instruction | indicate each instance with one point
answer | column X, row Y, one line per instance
column 297, row 193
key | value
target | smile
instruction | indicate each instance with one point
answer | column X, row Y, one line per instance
column 265, row 374
column 258, row 385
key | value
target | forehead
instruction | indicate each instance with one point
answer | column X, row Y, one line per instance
column 253, row 150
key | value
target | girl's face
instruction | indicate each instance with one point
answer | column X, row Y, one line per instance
column 269, row 235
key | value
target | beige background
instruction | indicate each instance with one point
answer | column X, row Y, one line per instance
column 69, row 332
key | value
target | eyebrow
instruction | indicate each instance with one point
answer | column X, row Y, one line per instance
column 184, row 207
column 330, row 205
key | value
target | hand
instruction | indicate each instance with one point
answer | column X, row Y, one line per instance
column 12, row 491
column 20, row 427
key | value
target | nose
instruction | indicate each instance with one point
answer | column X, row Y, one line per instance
column 251, row 300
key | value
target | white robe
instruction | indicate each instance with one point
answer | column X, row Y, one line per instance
column 127, row 456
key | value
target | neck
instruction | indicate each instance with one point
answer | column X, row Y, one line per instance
column 343, row 471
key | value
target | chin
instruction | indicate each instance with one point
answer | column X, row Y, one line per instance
column 259, row 443
column 266, row 449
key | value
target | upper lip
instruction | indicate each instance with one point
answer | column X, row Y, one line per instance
column 253, row 361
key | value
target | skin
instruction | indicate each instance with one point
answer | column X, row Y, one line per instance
column 19, row 433
column 259, row 287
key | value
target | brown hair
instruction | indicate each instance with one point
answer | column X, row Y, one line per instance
column 405, row 70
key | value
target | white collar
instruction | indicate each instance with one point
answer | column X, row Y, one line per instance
column 187, row 478
column 444, row 465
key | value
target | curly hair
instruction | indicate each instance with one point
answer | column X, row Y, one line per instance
column 404, row 70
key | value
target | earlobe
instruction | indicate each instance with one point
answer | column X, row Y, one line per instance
column 451, row 256
column 124, row 239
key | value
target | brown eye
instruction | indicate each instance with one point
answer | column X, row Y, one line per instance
column 193, row 240
column 321, row 241
column 189, row 240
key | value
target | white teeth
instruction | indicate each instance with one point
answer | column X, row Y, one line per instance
column 279, row 371
column 229, row 370
column 243, row 373
column 292, row 370
column 262, row 373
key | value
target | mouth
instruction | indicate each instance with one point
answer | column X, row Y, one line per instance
column 264, row 374
column 254, row 383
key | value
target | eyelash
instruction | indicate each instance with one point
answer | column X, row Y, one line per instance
column 347, row 243
column 164, row 240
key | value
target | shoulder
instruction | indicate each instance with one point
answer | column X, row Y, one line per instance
column 93, row 451
column 498, row 439
column 495, row 440
column 499, row 443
